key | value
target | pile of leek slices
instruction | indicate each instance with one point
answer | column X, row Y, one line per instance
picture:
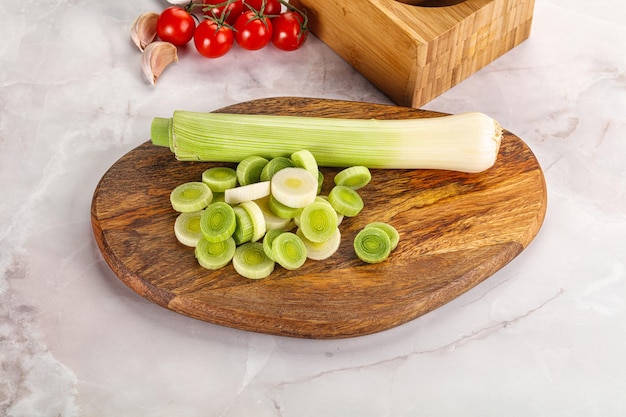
column 268, row 212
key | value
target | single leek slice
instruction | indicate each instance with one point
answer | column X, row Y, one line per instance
column 258, row 220
column 294, row 187
column 218, row 222
column 250, row 168
column 215, row 255
column 220, row 179
column 247, row 192
column 318, row 251
column 345, row 200
column 272, row 221
column 187, row 228
column 268, row 239
column 353, row 177
column 250, row 261
column 394, row 236
column 190, row 196
column 275, row 165
column 281, row 210
column 372, row 245
column 243, row 226
column 318, row 221
column 467, row 142
column 305, row 159
column 289, row 251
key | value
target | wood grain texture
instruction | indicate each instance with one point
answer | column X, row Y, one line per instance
column 412, row 53
column 456, row 230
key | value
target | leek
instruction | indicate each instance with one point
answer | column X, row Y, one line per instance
column 250, row 261
column 187, row 228
column 248, row 192
column 318, row 221
column 345, row 200
column 273, row 166
column 467, row 142
column 372, row 245
column 257, row 218
column 268, row 240
column 305, row 159
column 191, row 196
column 355, row 177
column 318, row 251
column 249, row 169
column 294, row 187
column 220, row 179
column 288, row 251
column 394, row 236
column 215, row 255
column 218, row 222
column 244, row 228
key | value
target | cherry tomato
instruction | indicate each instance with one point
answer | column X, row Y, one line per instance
column 175, row 25
column 272, row 7
column 213, row 40
column 231, row 10
column 289, row 32
column 252, row 31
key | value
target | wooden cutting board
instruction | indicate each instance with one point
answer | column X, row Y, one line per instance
column 456, row 230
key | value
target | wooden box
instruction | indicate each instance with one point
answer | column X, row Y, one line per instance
column 412, row 52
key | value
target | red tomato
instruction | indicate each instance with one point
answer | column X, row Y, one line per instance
column 175, row 25
column 231, row 11
column 252, row 31
column 213, row 40
column 289, row 31
column 272, row 7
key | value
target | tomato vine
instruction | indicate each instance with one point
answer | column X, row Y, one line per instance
column 216, row 26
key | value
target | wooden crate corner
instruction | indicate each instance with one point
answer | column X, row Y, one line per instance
column 412, row 53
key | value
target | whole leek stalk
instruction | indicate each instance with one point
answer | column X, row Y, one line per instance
column 466, row 142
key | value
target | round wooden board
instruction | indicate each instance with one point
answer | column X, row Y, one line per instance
column 456, row 230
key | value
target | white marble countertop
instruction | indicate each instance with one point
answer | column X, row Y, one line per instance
column 544, row 336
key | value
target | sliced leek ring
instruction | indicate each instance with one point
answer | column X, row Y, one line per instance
column 248, row 192
column 250, row 261
column 372, row 245
column 289, row 251
column 218, row 222
column 220, row 179
column 345, row 200
column 318, row 221
column 215, row 255
column 190, row 196
column 294, row 187
column 187, row 228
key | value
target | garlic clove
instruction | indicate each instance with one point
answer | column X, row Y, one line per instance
column 144, row 29
column 156, row 57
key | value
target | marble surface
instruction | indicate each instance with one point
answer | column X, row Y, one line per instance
column 544, row 336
